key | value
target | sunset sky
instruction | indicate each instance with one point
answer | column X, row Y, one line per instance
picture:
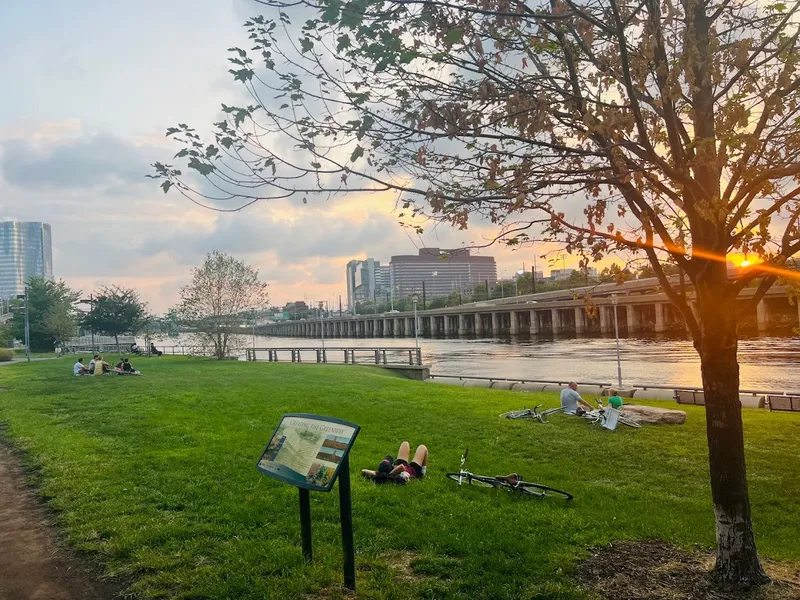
column 91, row 89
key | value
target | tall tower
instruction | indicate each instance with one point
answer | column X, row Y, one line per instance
column 26, row 251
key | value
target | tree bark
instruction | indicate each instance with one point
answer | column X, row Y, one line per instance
column 737, row 564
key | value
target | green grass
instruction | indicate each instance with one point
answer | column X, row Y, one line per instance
column 154, row 477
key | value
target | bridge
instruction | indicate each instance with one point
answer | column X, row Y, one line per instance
column 640, row 304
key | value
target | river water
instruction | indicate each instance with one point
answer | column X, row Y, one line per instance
column 766, row 363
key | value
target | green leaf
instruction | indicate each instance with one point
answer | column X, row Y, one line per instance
column 306, row 45
column 182, row 153
column 226, row 141
column 453, row 36
column 200, row 167
column 166, row 185
column 211, row 151
column 342, row 42
column 357, row 153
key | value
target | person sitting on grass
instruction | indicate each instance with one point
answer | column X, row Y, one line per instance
column 124, row 367
column 155, row 351
column 570, row 398
column 101, row 367
column 614, row 399
column 91, row 363
column 79, row 369
column 400, row 470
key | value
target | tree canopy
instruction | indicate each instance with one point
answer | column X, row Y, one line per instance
column 116, row 311
column 212, row 304
column 48, row 302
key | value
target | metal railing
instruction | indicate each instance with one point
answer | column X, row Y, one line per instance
column 547, row 381
column 637, row 386
column 377, row 355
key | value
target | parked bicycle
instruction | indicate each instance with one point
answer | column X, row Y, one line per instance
column 531, row 413
column 511, row 483
column 608, row 417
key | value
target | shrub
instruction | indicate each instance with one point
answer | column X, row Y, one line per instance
column 6, row 354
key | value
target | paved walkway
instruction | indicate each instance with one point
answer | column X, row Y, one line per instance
column 19, row 360
column 33, row 565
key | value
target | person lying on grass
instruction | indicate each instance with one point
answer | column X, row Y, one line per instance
column 400, row 470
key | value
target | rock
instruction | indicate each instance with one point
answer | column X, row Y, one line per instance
column 652, row 414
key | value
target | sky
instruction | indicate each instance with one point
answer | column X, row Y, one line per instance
column 91, row 88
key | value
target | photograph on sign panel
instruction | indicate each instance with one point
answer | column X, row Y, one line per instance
column 306, row 451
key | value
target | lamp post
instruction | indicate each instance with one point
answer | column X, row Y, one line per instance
column 90, row 302
column 614, row 302
column 414, row 300
column 27, row 325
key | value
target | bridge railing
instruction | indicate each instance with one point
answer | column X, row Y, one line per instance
column 339, row 354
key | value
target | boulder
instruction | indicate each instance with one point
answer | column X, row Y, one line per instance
column 652, row 414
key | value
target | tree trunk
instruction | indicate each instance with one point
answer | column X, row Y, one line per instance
column 737, row 564
column 116, row 339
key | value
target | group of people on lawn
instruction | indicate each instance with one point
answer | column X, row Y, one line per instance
column 402, row 470
column 97, row 366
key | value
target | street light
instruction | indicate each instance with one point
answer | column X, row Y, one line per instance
column 90, row 302
column 27, row 325
column 614, row 302
column 414, row 300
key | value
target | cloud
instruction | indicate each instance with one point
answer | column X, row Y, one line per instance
column 83, row 162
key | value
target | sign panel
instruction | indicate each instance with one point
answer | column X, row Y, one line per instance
column 307, row 450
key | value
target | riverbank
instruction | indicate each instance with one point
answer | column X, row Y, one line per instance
column 154, row 479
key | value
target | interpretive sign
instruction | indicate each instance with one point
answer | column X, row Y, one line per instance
column 307, row 450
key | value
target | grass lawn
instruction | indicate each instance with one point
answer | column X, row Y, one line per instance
column 154, row 477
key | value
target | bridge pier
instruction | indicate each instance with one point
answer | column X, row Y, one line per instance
column 762, row 315
column 632, row 318
column 479, row 323
column 606, row 319
column 495, row 323
column 580, row 314
column 660, row 325
column 514, row 323
column 534, row 323
column 462, row 325
column 434, row 326
column 556, row 320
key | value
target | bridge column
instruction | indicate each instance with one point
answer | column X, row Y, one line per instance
column 514, row 322
column 434, row 326
column 495, row 323
column 534, row 322
column 762, row 315
column 580, row 315
column 409, row 326
column 661, row 325
column 606, row 319
column 633, row 318
column 479, row 323
column 556, row 319
column 462, row 325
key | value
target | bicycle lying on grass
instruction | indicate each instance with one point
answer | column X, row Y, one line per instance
column 608, row 417
column 531, row 413
column 512, row 483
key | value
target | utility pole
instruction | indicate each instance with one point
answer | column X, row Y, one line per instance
column 27, row 328
column 424, row 301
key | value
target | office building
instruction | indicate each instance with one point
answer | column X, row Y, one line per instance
column 442, row 271
column 564, row 274
column 366, row 280
column 25, row 251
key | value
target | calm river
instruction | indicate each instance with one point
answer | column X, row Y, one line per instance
column 771, row 363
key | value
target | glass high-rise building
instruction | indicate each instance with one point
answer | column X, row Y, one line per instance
column 25, row 250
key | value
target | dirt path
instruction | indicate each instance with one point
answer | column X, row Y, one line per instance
column 33, row 566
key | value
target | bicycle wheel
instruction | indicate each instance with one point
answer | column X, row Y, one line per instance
column 630, row 422
column 470, row 479
column 517, row 414
column 541, row 491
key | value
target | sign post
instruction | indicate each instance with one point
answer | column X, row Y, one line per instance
column 310, row 452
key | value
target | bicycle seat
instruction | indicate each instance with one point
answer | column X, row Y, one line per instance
column 511, row 479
